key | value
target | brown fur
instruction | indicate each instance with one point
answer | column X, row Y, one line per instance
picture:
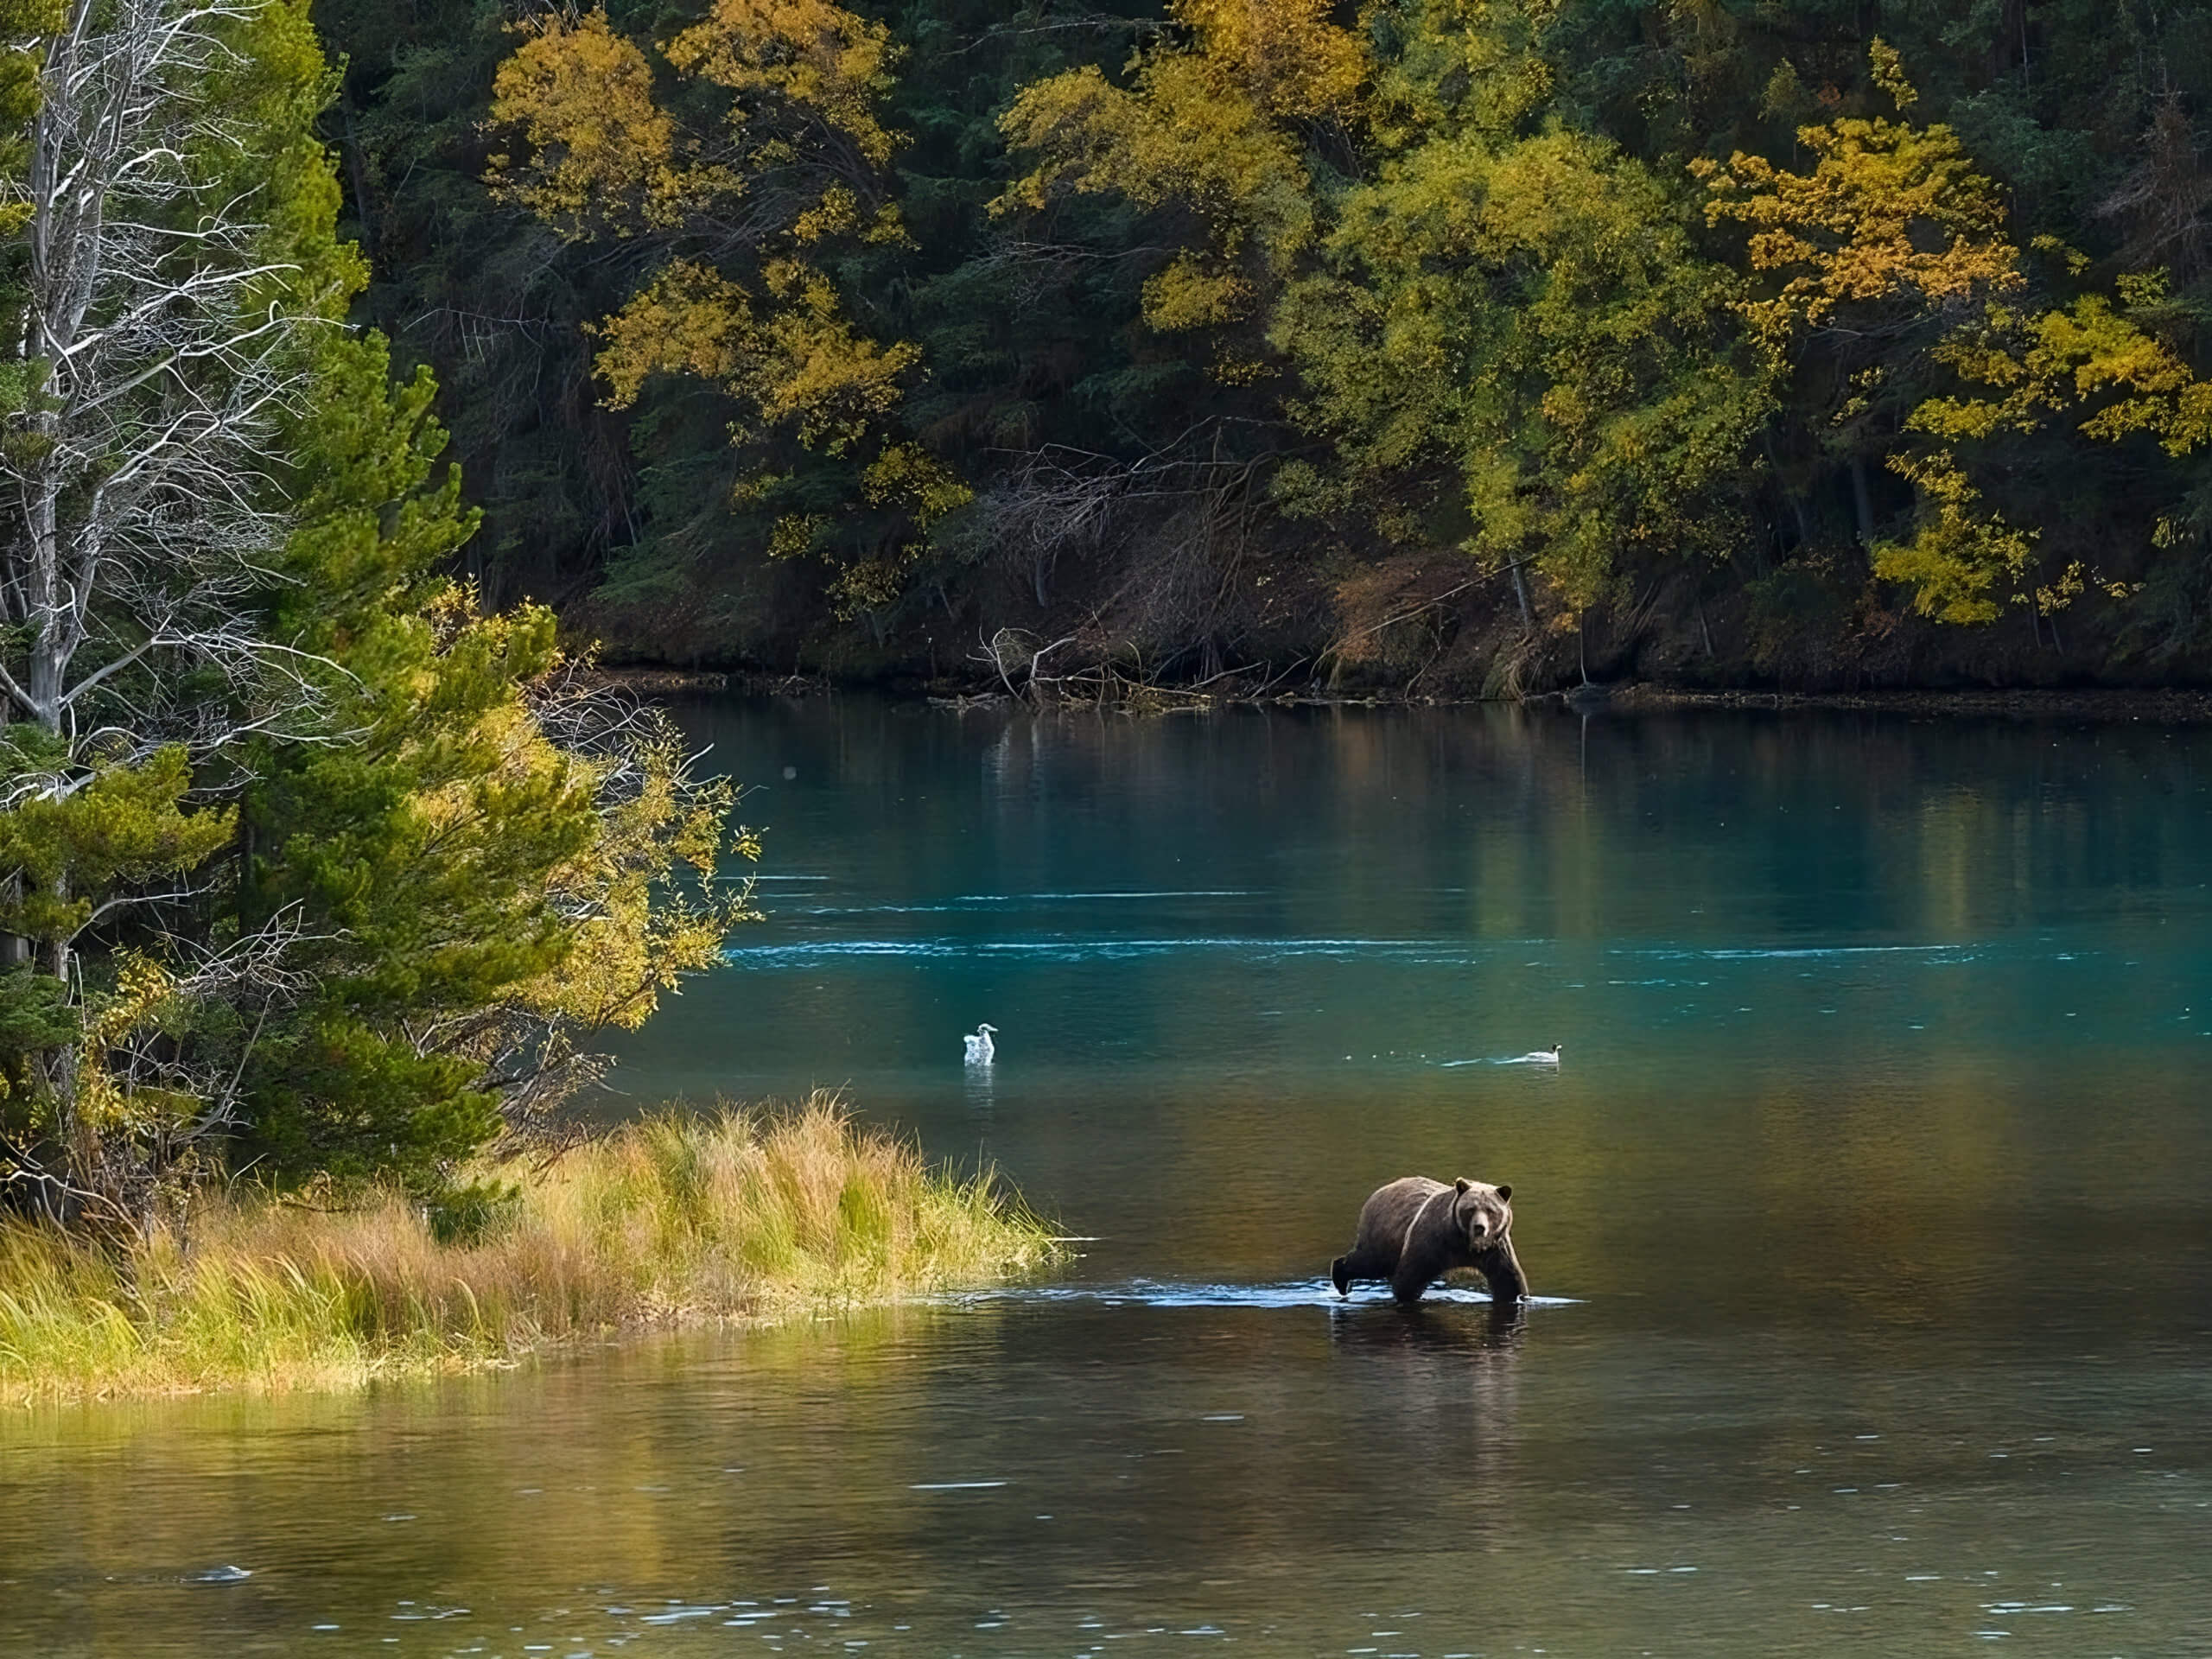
column 1415, row 1231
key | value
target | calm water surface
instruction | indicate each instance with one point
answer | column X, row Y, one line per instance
column 1872, row 1209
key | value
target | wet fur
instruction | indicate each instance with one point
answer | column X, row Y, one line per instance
column 1414, row 1230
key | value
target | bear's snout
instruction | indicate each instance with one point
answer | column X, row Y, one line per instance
column 1483, row 1225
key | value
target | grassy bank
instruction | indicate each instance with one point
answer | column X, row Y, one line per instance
column 671, row 1221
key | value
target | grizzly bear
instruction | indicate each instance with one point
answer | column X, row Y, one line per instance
column 1415, row 1231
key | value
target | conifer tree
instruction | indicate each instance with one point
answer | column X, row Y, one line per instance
column 300, row 850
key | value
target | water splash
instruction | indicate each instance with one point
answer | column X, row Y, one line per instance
column 1161, row 1292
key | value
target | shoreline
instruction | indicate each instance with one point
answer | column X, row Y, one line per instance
column 2170, row 707
column 2166, row 705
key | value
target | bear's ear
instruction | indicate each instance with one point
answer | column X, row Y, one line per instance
column 1505, row 1193
column 1459, row 1185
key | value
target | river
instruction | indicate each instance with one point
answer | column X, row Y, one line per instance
column 1868, row 1213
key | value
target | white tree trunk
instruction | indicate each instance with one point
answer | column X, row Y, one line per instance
column 160, row 347
column 160, row 358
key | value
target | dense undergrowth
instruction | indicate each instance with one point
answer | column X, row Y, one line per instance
column 672, row 1220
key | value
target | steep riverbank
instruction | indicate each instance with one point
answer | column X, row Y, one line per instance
column 672, row 1220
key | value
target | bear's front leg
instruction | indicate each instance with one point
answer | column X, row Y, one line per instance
column 1501, row 1271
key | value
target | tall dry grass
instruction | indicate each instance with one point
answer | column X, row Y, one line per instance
column 672, row 1220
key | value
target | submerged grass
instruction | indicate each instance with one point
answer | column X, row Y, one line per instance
column 672, row 1220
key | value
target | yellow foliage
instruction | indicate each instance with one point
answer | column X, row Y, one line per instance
column 144, row 992
column 689, row 320
column 865, row 585
column 2052, row 364
column 836, row 215
column 1187, row 294
column 793, row 534
column 1954, row 562
column 1285, row 55
column 1888, row 74
column 631, row 941
column 602, row 152
column 907, row 475
column 1182, row 136
column 1208, row 125
column 1891, row 214
column 819, row 55
column 628, row 938
column 797, row 360
column 808, row 76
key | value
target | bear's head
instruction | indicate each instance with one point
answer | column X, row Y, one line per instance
column 1482, row 1214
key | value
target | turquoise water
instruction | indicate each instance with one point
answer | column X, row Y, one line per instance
column 1868, row 1213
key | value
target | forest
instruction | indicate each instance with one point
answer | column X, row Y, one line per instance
column 1454, row 347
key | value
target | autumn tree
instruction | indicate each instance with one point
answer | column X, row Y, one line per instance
column 1893, row 236
column 1102, row 360
column 1863, row 260
column 734, row 209
column 1521, row 310
column 1215, row 124
column 2091, row 370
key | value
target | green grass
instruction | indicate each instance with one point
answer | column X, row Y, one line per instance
column 673, row 1220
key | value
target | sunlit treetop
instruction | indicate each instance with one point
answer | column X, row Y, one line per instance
column 1285, row 55
column 1214, row 123
column 811, row 54
column 1891, row 215
column 603, row 154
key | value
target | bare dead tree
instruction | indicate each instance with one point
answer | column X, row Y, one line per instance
column 159, row 356
column 2160, row 203
column 159, row 349
column 1178, row 521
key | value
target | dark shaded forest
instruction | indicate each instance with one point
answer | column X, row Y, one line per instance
column 1441, row 346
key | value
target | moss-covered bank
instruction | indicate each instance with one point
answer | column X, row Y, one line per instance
column 673, row 1220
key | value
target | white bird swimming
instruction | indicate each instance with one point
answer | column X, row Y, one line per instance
column 1543, row 1056
column 979, row 1045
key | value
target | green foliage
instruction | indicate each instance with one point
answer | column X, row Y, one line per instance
column 468, row 1212
column 451, row 868
column 37, row 1014
column 1531, row 313
column 124, row 827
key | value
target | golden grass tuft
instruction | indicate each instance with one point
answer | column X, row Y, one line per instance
column 672, row 1220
